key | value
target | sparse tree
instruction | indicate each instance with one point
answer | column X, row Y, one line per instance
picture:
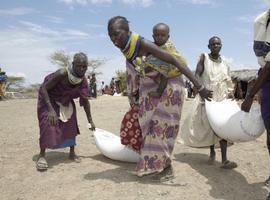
column 63, row 59
column 14, row 82
column 33, row 88
column 60, row 58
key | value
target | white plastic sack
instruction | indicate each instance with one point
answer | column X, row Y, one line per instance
column 230, row 123
column 117, row 95
column 110, row 146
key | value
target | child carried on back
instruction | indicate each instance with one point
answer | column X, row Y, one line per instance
column 166, row 70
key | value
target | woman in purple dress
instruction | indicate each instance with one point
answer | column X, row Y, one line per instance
column 56, row 108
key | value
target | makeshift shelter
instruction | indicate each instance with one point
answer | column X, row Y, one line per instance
column 243, row 80
column 245, row 75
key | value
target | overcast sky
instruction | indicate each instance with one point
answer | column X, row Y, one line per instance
column 32, row 30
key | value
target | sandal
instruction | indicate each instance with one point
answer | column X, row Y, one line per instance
column 228, row 165
column 166, row 175
column 167, row 178
column 41, row 164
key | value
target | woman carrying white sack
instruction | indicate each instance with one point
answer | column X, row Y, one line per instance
column 214, row 73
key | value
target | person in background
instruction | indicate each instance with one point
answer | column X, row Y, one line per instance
column 117, row 86
column 102, row 87
column 93, row 86
column 238, row 93
column 88, row 83
column 112, row 86
column 107, row 90
column 3, row 81
column 56, row 108
column 189, row 89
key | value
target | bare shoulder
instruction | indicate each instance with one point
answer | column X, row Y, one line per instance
column 60, row 73
column 147, row 43
column 148, row 47
column 202, row 57
column 200, row 65
column 57, row 77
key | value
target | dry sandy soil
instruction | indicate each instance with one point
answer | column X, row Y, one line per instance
column 97, row 177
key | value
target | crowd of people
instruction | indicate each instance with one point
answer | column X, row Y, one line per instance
column 155, row 90
column 111, row 89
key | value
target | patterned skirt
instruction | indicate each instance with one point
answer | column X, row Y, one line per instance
column 130, row 132
column 159, row 120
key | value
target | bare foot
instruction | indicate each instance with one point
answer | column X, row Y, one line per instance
column 211, row 160
column 74, row 157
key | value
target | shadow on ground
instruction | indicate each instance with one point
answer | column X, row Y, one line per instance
column 225, row 184
column 124, row 172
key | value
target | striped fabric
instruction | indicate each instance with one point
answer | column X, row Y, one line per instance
column 131, row 49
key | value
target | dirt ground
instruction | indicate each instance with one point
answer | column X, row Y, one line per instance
column 98, row 177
